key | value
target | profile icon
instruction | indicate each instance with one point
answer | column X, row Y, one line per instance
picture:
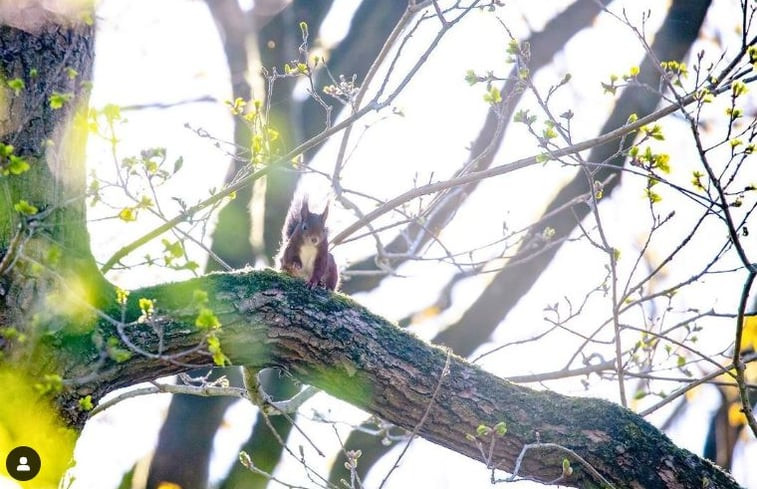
column 23, row 463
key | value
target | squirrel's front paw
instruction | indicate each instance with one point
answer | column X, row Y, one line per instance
column 312, row 283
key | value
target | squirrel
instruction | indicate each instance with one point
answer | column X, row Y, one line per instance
column 304, row 251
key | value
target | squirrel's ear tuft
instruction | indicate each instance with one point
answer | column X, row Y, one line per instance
column 304, row 210
column 325, row 211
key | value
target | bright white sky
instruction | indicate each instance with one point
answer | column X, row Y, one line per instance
column 169, row 51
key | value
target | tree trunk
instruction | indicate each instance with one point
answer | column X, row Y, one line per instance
column 50, row 64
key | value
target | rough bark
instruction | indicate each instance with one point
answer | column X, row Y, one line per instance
column 41, row 133
column 48, row 58
column 330, row 342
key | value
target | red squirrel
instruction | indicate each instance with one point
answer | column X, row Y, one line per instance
column 305, row 248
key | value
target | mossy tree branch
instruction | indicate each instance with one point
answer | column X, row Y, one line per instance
column 330, row 342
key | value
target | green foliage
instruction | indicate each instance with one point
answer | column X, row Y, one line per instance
column 304, row 30
column 12, row 334
column 739, row 88
column 675, row 67
column 513, row 47
column 58, row 100
column 524, row 117
column 115, row 352
column 214, row 347
column 85, row 403
column 654, row 132
column 652, row 196
column 128, row 214
column 148, row 164
column 752, row 52
column 112, row 113
column 199, row 297
column 610, row 87
column 549, row 132
column 471, row 78
column 53, row 255
column 493, row 96
column 51, row 384
column 147, row 306
column 675, row 71
column 616, row 254
column 122, row 296
column 24, row 207
column 264, row 141
column 543, row 157
column 696, row 179
column 237, row 106
column 10, row 163
column 482, row 430
column 207, row 320
column 16, row 84
column 172, row 250
column 649, row 159
column 704, row 96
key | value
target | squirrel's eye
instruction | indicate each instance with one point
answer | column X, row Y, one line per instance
column 304, row 227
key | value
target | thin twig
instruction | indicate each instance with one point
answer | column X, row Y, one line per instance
column 738, row 362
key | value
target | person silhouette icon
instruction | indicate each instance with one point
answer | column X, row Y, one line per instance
column 23, row 465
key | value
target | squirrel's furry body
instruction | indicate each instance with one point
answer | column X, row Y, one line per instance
column 304, row 251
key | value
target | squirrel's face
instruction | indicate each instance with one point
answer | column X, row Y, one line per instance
column 312, row 231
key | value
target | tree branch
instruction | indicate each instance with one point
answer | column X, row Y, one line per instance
column 330, row 342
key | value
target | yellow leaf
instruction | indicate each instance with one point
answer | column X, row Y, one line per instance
column 128, row 214
column 169, row 485
column 736, row 416
column 427, row 313
column 749, row 333
column 691, row 394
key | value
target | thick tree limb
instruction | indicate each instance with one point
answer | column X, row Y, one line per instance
column 332, row 343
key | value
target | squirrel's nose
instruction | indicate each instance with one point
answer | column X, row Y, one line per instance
column 314, row 240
